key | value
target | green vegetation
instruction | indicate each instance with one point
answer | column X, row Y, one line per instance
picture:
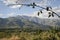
column 31, row 35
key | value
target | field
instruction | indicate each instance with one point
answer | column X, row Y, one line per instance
column 27, row 34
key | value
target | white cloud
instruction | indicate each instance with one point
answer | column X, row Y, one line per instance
column 15, row 6
column 45, row 3
column 8, row 2
column 56, row 9
column 34, row 14
column 7, row 15
column 11, row 14
column 43, row 15
column 41, row 2
column 1, row 15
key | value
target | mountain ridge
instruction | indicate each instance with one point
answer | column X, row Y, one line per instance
column 28, row 22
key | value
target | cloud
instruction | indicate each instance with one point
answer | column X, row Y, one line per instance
column 8, row 15
column 45, row 3
column 34, row 14
column 15, row 6
column 41, row 2
column 56, row 9
column 1, row 15
column 45, row 13
column 9, row 2
column 11, row 14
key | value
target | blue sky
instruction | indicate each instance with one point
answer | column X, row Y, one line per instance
column 6, row 11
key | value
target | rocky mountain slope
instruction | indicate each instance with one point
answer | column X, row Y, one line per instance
column 28, row 22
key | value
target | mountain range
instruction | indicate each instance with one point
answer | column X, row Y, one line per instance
column 28, row 22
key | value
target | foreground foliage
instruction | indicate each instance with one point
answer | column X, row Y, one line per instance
column 30, row 35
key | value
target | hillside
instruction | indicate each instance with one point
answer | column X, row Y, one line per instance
column 28, row 22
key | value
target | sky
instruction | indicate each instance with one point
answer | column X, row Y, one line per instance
column 6, row 11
